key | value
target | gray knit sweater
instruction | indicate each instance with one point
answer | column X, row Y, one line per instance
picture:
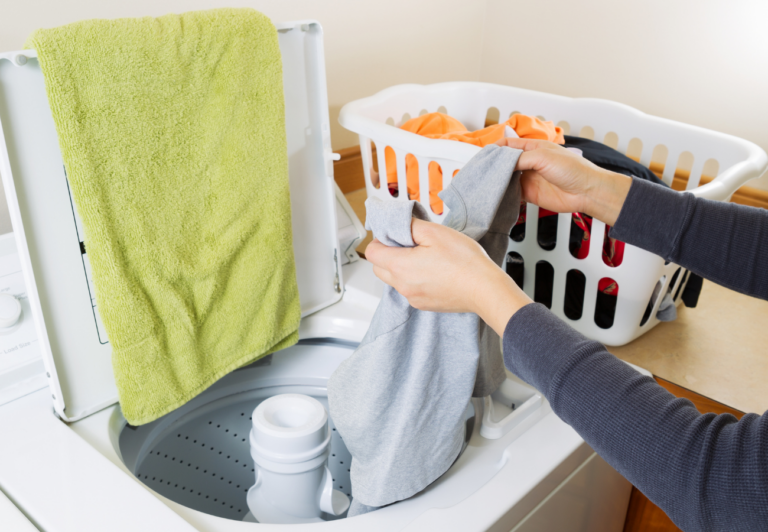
column 707, row 472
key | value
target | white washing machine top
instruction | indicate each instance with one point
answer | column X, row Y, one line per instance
column 87, row 469
column 83, row 476
column 13, row 519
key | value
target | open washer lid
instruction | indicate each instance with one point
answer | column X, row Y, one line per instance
column 75, row 348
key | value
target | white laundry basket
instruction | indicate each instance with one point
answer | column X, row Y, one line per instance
column 376, row 119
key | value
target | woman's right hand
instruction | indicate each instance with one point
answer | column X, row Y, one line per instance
column 559, row 180
column 448, row 272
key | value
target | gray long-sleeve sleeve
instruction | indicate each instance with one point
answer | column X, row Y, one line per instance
column 707, row 472
column 722, row 242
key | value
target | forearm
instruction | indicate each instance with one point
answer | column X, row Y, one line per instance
column 722, row 242
column 496, row 297
column 605, row 195
column 707, row 472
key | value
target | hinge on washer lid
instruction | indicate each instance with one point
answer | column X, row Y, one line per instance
column 337, row 278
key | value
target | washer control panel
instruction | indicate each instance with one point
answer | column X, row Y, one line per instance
column 21, row 365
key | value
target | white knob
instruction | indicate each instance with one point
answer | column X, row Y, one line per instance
column 10, row 310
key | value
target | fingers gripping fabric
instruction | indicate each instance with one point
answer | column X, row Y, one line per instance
column 399, row 400
column 390, row 221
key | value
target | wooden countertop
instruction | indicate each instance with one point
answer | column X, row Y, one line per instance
column 717, row 349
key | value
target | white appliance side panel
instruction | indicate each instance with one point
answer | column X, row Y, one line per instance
column 12, row 518
column 593, row 499
column 73, row 341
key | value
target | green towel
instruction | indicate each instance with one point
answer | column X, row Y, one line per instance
column 172, row 131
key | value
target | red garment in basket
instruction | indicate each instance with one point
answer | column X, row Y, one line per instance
column 442, row 126
column 613, row 251
column 581, row 232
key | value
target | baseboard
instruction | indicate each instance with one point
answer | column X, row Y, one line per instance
column 348, row 172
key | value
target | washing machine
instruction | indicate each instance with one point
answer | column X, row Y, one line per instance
column 70, row 462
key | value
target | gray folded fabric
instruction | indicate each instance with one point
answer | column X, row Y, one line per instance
column 667, row 308
column 398, row 402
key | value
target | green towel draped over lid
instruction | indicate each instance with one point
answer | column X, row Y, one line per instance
column 172, row 131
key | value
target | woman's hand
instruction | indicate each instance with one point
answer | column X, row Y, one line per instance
column 448, row 272
column 559, row 180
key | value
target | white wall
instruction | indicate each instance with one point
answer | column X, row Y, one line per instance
column 704, row 62
column 368, row 45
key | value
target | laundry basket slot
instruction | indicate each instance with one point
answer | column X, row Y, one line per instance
column 709, row 164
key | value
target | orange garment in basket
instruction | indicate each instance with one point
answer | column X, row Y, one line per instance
column 442, row 126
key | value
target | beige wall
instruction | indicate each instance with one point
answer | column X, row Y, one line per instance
column 704, row 62
column 368, row 45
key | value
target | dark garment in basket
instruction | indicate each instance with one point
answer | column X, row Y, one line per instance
column 707, row 472
column 610, row 159
column 580, row 235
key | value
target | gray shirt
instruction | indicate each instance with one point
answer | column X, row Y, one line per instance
column 399, row 401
